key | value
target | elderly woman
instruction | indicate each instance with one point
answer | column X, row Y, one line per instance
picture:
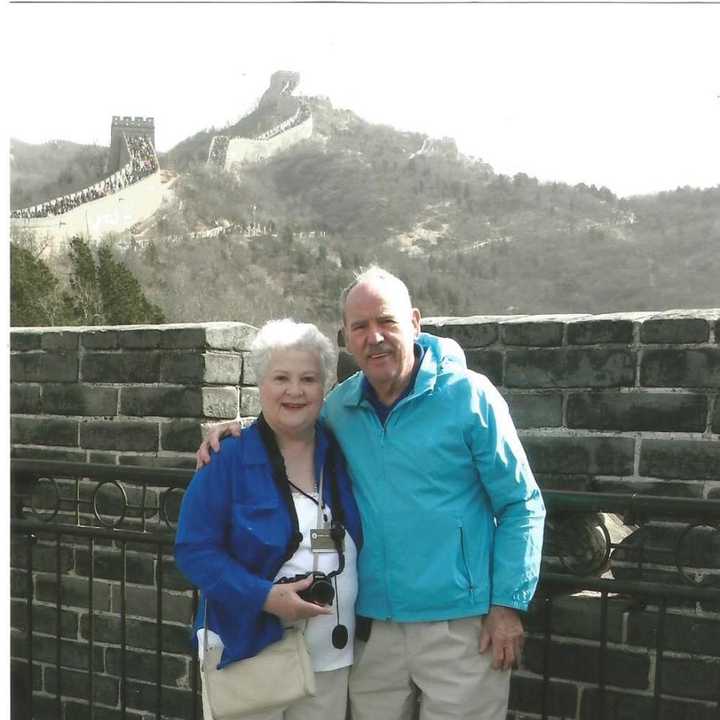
column 244, row 534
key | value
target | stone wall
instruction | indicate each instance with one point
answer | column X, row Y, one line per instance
column 245, row 150
column 611, row 403
column 126, row 395
column 625, row 403
column 113, row 213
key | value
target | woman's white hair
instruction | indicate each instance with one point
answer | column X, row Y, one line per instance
column 286, row 334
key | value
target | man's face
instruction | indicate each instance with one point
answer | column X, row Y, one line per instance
column 380, row 330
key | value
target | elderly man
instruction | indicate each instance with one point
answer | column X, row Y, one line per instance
column 452, row 516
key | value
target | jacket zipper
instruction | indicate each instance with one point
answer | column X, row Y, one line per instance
column 468, row 574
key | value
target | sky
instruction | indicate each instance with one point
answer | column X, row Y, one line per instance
column 626, row 96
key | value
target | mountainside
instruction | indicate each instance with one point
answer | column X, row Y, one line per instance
column 282, row 236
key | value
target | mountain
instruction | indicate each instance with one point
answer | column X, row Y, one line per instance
column 282, row 235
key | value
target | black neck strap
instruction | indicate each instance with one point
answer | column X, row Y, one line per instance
column 280, row 477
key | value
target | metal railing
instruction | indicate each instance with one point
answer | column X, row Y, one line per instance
column 56, row 505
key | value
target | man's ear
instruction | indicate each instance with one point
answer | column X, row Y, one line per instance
column 416, row 321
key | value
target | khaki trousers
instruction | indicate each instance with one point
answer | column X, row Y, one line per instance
column 434, row 664
column 329, row 703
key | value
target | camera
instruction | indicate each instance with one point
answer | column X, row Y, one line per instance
column 321, row 591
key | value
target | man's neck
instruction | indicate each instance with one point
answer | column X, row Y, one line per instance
column 388, row 394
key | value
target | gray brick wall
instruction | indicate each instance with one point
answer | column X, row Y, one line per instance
column 625, row 403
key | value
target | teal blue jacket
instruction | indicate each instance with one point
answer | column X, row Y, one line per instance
column 452, row 516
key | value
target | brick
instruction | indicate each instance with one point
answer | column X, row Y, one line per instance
column 162, row 401
column 196, row 368
column 580, row 455
column 74, row 591
column 64, row 399
column 25, row 398
column 625, row 706
column 176, row 703
column 532, row 333
column 681, row 368
column 43, row 708
column 115, row 367
column 44, row 556
column 346, row 367
column 75, row 684
column 220, row 402
column 100, row 340
column 664, row 488
column 691, row 678
column 578, row 483
column 73, row 654
column 570, row 661
column 59, row 341
column 249, row 401
column 526, row 696
column 23, row 341
column 144, row 666
column 43, row 431
column 141, row 602
column 248, row 372
column 579, row 616
column 119, row 435
column 589, row 332
column 467, row 334
column 637, row 411
column 173, row 579
column 140, row 338
column 571, row 367
column 219, row 336
column 103, row 458
column 108, row 565
column 42, row 453
column 140, row 634
column 165, row 460
column 675, row 330
column 536, row 410
column 44, row 367
column 682, row 633
column 686, row 459
column 44, row 618
column 183, row 435
column 78, row 711
column 486, row 362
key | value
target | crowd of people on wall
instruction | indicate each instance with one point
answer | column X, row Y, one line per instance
column 302, row 114
column 142, row 162
column 218, row 150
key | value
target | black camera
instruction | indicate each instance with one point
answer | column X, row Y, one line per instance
column 321, row 591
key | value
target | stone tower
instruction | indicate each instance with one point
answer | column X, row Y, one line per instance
column 127, row 126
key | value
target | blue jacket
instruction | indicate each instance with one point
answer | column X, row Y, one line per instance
column 233, row 535
column 452, row 515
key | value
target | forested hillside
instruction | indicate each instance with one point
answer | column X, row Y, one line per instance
column 290, row 230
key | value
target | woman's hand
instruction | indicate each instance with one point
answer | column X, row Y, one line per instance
column 283, row 600
column 215, row 434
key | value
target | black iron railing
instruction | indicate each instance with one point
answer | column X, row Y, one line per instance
column 601, row 544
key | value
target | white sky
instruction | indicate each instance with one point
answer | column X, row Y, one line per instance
column 619, row 95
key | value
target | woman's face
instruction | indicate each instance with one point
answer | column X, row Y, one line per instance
column 291, row 391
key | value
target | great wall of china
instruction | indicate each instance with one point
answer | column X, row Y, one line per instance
column 137, row 185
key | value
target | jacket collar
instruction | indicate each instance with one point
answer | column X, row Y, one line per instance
column 424, row 381
column 255, row 454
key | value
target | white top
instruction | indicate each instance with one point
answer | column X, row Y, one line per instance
column 319, row 629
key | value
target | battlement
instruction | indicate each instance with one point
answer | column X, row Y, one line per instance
column 133, row 122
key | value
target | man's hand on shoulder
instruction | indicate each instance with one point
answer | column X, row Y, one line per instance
column 502, row 633
column 212, row 443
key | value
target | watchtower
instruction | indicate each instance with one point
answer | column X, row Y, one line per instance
column 127, row 126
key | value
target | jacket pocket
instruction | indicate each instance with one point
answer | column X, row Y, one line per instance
column 256, row 528
column 464, row 557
